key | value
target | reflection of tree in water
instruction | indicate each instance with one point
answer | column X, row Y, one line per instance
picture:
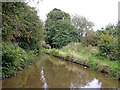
column 33, row 79
column 43, row 79
column 29, row 77
column 60, row 76
column 57, row 74
column 87, row 75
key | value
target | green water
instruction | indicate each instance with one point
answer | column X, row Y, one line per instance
column 50, row 72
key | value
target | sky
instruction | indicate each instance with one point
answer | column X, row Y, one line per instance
column 100, row 12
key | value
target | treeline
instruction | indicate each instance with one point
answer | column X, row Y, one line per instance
column 62, row 29
column 22, row 33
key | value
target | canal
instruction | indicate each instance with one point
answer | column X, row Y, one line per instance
column 50, row 72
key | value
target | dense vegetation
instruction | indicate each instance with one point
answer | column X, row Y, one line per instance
column 71, row 36
column 14, row 59
column 60, row 31
column 108, row 43
column 21, row 25
column 99, row 49
column 22, row 33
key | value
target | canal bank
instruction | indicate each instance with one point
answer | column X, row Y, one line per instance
column 105, row 67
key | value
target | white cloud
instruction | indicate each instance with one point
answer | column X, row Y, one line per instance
column 100, row 12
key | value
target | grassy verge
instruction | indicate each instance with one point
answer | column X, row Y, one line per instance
column 88, row 56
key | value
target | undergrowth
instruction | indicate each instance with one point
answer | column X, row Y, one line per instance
column 14, row 59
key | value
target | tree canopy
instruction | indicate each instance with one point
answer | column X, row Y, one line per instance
column 81, row 24
column 59, row 31
column 21, row 24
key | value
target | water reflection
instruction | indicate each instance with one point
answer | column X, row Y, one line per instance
column 50, row 72
column 93, row 84
column 43, row 79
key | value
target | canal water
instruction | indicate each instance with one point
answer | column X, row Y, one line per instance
column 50, row 72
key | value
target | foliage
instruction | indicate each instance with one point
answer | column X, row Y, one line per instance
column 12, row 58
column 57, row 14
column 109, row 42
column 90, row 38
column 22, row 33
column 108, row 47
column 109, row 30
column 81, row 24
column 59, row 31
column 89, row 56
column 21, row 25
column 54, row 51
column 118, row 35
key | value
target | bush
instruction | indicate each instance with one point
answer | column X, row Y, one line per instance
column 108, row 47
column 12, row 58
column 90, row 39
column 54, row 51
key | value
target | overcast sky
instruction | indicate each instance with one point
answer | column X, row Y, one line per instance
column 100, row 12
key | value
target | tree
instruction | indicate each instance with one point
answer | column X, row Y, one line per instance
column 109, row 30
column 55, row 15
column 59, row 31
column 81, row 24
column 21, row 25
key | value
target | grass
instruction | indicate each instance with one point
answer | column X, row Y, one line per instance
column 90, row 54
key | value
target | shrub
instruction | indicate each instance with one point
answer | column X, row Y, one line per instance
column 108, row 47
column 12, row 58
column 90, row 39
column 54, row 51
